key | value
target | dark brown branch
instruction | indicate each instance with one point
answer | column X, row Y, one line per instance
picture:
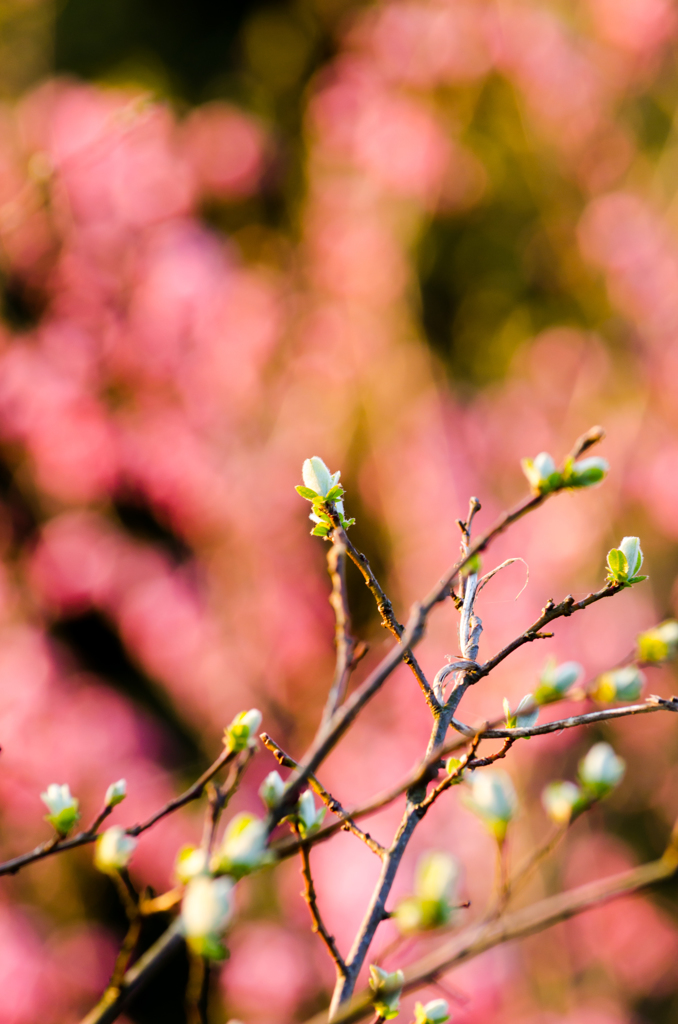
column 193, row 792
column 550, row 612
column 311, row 898
column 388, row 617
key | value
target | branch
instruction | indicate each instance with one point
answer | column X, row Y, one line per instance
column 550, row 612
column 311, row 898
column 286, row 848
column 388, row 617
column 10, row 867
column 336, row 564
column 346, row 823
column 114, row 1000
column 193, row 792
column 329, row 736
column 479, row 938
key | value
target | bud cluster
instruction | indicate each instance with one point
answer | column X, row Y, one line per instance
column 545, row 477
column 322, row 488
column 625, row 562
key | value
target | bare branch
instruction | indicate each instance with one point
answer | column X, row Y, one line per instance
column 388, row 617
column 286, row 848
column 336, row 564
column 479, row 938
column 346, row 823
column 54, row 845
column 311, row 898
column 550, row 612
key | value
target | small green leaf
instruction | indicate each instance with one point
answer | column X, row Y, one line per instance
column 306, row 492
column 637, row 579
column 321, row 530
column 346, row 522
column 335, row 493
column 619, row 567
column 510, row 719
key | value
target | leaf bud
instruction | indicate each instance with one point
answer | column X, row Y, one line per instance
column 243, row 848
column 387, row 987
column 116, row 793
column 206, row 910
column 525, row 715
column 562, row 801
column 541, row 473
column 241, row 732
column 624, row 563
column 586, row 472
column 191, row 861
column 62, row 806
column 619, row 684
column 658, row 644
column 271, row 789
column 309, row 819
column 317, row 477
column 493, row 799
column 114, row 850
column 601, row 770
column 556, row 680
column 435, row 1012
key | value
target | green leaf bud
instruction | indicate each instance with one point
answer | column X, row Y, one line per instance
column 619, row 684
column 62, row 806
column 387, row 987
column 309, row 819
column 541, row 473
column 241, row 732
column 658, row 644
column 556, row 680
column 114, row 850
column 435, row 1012
column 206, row 910
column 116, row 793
column 243, row 848
column 601, row 770
column 493, row 799
column 271, row 789
column 191, row 861
column 562, row 801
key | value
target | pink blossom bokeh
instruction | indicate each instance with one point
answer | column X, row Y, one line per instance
column 171, row 371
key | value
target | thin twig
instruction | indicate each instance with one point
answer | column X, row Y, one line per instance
column 550, row 612
column 388, row 617
column 346, row 824
column 478, row 938
column 10, row 867
column 287, row 848
column 345, row 643
column 193, row 792
column 198, row 978
column 311, row 898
